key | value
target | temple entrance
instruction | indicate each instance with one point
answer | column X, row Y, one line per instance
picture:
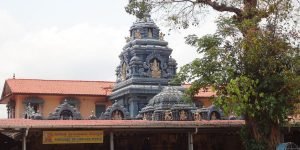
column 150, row 141
column 136, row 139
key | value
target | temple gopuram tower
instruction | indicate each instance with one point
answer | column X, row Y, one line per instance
column 145, row 66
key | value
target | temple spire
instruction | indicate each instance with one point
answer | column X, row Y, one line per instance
column 145, row 64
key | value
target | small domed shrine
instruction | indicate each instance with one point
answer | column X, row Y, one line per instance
column 168, row 105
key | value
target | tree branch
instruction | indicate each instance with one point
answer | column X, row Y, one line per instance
column 221, row 7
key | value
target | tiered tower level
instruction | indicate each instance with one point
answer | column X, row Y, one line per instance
column 145, row 66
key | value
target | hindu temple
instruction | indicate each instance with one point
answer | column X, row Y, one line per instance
column 140, row 110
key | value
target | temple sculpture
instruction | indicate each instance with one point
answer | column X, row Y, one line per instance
column 115, row 112
column 65, row 111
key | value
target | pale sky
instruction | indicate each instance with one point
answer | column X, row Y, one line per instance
column 73, row 39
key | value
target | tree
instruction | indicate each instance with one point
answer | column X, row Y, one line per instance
column 252, row 61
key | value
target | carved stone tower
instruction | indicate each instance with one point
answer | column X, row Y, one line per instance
column 145, row 66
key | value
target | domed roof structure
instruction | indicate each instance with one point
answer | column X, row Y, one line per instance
column 169, row 95
column 168, row 105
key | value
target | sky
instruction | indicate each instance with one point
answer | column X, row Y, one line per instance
column 74, row 39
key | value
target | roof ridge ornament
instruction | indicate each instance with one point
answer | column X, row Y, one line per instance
column 92, row 116
column 115, row 112
column 161, row 36
column 65, row 111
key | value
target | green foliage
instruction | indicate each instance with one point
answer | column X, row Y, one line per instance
column 238, row 93
column 218, row 65
column 138, row 8
column 252, row 61
column 256, row 76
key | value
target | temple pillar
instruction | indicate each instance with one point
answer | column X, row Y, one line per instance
column 24, row 140
column 111, row 140
column 13, row 113
column 133, row 107
column 24, row 143
column 8, row 111
column 190, row 141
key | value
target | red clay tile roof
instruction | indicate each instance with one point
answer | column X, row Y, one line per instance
column 65, row 87
column 202, row 92
column 42, row 124
column 69, row 87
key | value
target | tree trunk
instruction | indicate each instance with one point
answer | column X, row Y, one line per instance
column 272, row 139
column 253, row 129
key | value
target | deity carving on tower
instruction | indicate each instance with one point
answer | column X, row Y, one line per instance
column 138, row 34
column 150, row 33
column 155, row 71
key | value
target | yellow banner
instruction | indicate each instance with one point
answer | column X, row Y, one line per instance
column 72, row 137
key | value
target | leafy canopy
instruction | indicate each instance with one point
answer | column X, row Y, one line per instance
column 252, row 60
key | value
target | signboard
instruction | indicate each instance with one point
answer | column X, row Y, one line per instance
column 72, row 137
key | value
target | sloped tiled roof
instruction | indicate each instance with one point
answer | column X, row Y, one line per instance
column 69, row 87
column 42, row 124
column 202, row 92
column 60, row 87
